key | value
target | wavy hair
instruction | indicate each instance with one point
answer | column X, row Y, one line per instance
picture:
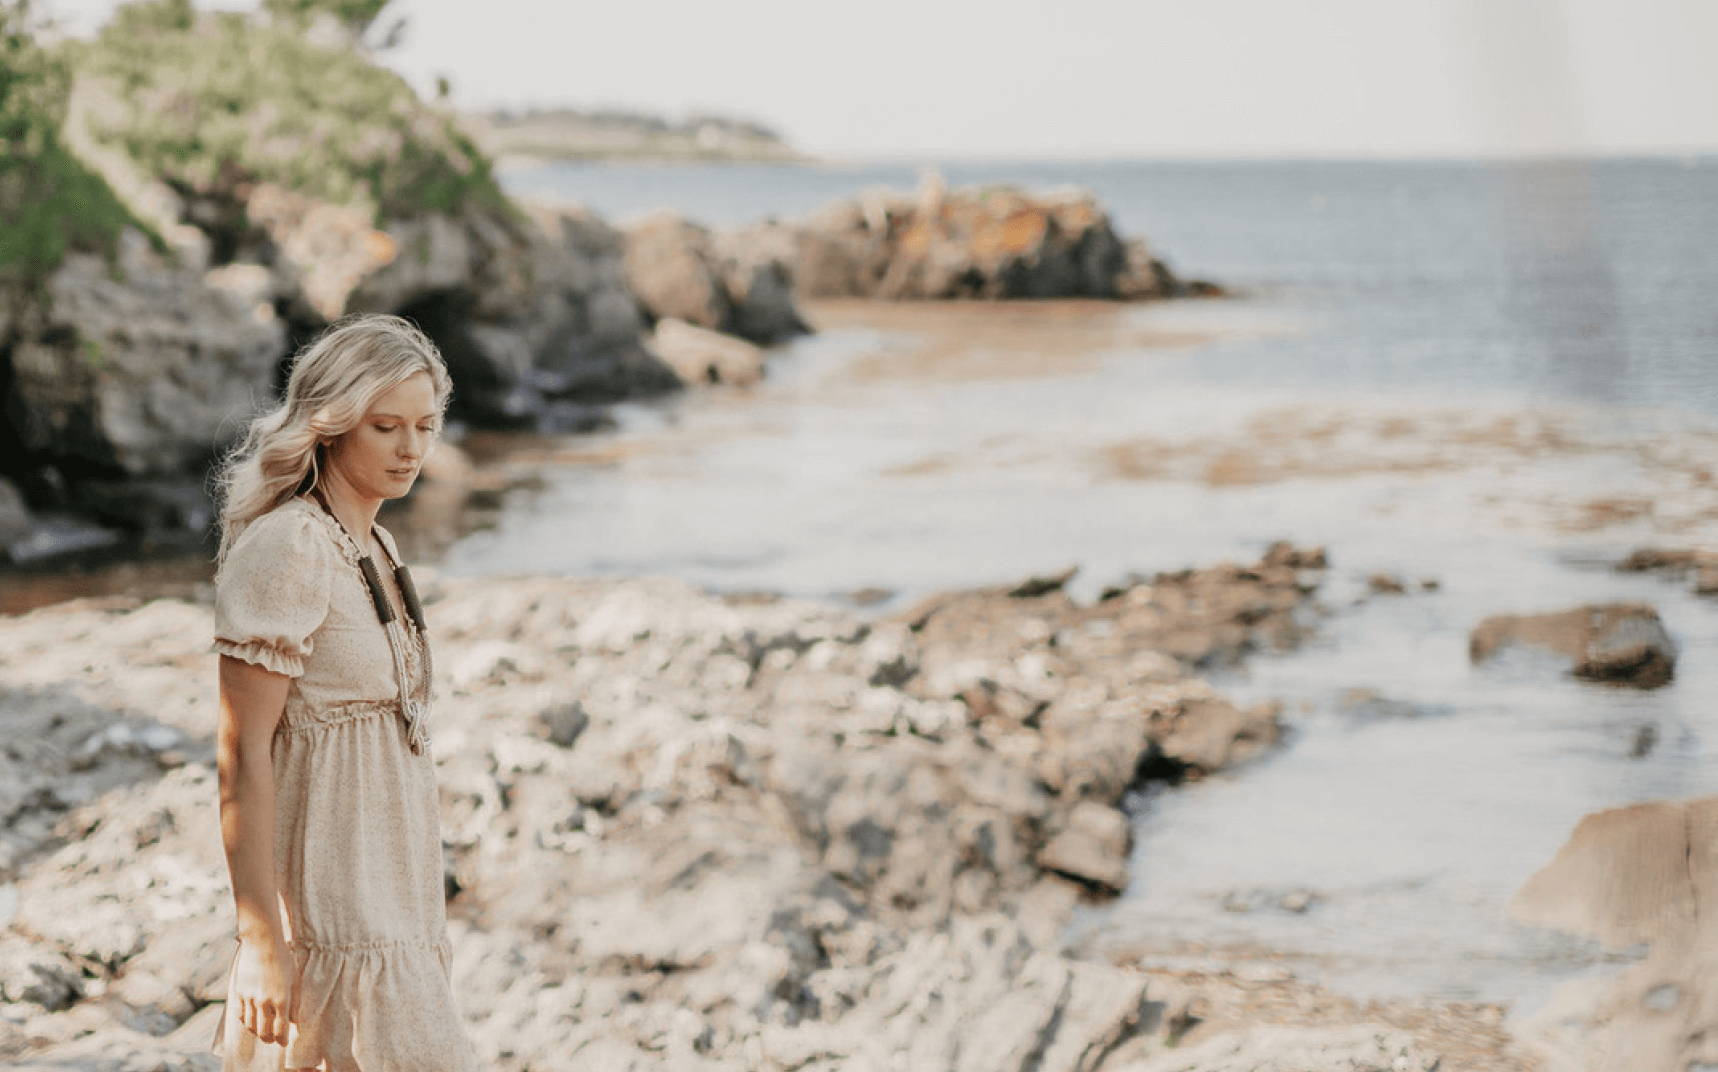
column 335, row 378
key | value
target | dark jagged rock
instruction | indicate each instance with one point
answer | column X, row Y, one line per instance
column 1622, row 643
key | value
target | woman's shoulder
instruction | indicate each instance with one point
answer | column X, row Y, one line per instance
column 291, row 530
column 287, row 522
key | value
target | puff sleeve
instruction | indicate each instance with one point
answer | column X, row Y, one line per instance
column 272, row 592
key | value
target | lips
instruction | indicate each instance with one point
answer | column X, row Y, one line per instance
column 401, row 472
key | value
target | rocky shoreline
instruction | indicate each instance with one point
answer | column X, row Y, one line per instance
column 748, row 833
column 135, row 340
column 121, row 382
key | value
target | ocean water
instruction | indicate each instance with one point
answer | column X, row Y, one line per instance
column 1574, row 278
column 1499, row 375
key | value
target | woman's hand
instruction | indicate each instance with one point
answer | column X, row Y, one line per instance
column 262, row 987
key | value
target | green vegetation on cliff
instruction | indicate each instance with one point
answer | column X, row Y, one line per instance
column 50, row 202
column 210, row 101
column 619, row 134
column 355, row 15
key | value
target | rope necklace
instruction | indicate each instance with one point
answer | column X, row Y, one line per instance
column 416, row 705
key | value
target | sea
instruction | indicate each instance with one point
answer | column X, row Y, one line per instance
column 1488, row 379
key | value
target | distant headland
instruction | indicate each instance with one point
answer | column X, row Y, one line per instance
column 535, row 134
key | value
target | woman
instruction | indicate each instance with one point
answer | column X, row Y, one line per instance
column 327, row 785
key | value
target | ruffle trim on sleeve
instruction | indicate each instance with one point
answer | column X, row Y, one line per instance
column 384, row 1005
column 262, row 653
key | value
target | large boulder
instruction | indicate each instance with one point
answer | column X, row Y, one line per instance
column 126, row 376
column 1642, row 874
column 1622, row 643
column 680, row 270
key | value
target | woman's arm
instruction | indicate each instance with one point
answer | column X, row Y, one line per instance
column 252, row 700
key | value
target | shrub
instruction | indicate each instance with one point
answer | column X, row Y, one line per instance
column 208, row 101
column 50, row 202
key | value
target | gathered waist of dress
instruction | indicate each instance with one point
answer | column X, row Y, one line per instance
column 442, row 943
column 301, row 717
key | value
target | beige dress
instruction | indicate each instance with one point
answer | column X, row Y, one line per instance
column 358, row 855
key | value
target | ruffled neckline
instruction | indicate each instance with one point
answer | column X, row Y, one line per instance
column 336, row 531
column 343, row 539
column 350, row 551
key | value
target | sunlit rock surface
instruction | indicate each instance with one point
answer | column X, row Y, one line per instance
column 679, row 829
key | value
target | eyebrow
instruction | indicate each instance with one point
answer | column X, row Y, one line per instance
column 397, row 417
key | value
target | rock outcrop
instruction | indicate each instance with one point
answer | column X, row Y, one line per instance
column 128, row 364
column 680, row 270
column 978, row 242
column 1621, row 643
column 124, row 377
column 679, row 829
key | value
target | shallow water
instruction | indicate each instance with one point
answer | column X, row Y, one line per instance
column 1407, row 817
column 1498, row 378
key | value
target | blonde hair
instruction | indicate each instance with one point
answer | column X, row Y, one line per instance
column 334, row 380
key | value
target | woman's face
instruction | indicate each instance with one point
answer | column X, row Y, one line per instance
column 381, row 457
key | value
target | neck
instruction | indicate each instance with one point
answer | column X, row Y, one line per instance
column 355, row 511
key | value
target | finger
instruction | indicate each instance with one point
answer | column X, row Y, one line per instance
column 276, row 1023
column 247, row 1015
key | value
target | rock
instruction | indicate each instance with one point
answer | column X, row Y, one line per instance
column 1204, row 735
column 669, row 268
column 728, row 831
column 701, row 356
column 1624, row 643
column 14, row 515
column 1627, row 875
column 522, row 309
column 1092, row 848
column 760, row 285
column 1680, row 562
column 735, row 285
column 1645, row 873
column 1283, row 553
column 1385, row 584
column 1673, row 560
column 321, row 251
column 130, row 375
column 564, row 722
column 37, row 976
column 1037, row 586
column 978, row 242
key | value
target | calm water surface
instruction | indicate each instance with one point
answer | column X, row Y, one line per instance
column 1404, row 815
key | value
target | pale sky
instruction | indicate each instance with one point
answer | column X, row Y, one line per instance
column 1095, row 78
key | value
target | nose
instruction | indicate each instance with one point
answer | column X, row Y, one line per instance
column 412, row 445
